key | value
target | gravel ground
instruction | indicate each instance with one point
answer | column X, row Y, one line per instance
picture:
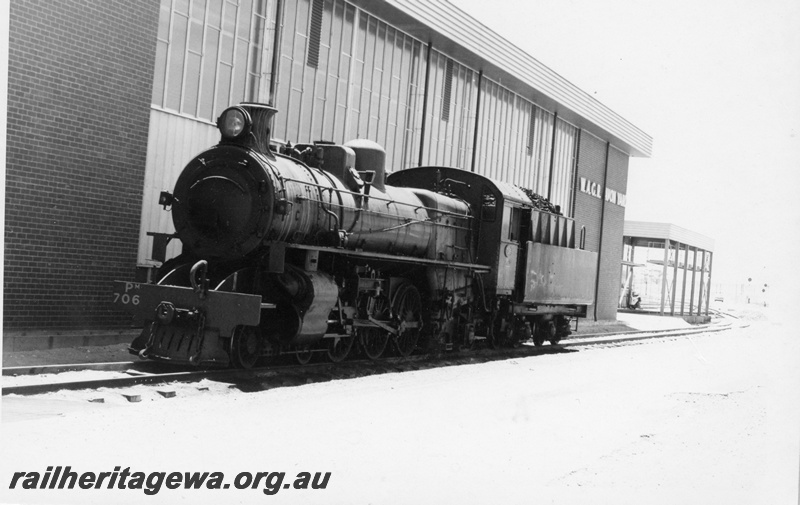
column 708, row 418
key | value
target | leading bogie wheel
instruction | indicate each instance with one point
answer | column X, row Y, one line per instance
column 339, row 347
column 303, row 354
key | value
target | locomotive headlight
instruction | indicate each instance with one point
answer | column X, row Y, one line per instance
column 234, row 123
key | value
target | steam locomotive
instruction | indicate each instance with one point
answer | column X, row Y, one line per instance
column 312, row 248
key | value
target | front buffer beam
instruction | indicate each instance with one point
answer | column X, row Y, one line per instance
column 186, row 317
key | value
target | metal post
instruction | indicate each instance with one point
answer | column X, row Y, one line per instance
column 685, row 267
column 626, row 272
column 576, row 179
column 664, row 276
column 694, row 271
column 477, row 121
column 425, row 103
column 702, row 285
column 553, row 158
column 633, row 269
column 276, row 53
column 674, row 279
column 350, row 75
column 708, row 293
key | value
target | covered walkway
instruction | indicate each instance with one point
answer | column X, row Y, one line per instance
column 666, row 269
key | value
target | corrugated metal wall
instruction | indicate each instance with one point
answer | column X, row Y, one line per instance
column 515, row 144
column 445, row 18
column 450, row 119
column 173, row 141
column 312, row 100
column 208, row 54
column 564, row 166
column 343, row 74
column 387, row 85
column 514, row 138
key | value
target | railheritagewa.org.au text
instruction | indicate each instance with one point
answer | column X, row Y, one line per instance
column 151, row 483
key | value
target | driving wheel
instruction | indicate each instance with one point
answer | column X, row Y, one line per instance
column 407, row 307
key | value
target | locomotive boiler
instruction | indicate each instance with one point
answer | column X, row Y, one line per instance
column 312, row 248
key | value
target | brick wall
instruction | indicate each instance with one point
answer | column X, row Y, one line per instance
column 610, row 262
column 591, row 165
column 79, row 91
column 589, row 211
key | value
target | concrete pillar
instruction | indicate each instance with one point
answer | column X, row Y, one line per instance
column 702, row 285
column 694, row 271
column 708, row 292
column 664, row 276
column 674, row 279
column 685, row 267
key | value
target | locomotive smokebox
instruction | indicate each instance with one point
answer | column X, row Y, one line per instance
column 370, row 157
column 223, row 203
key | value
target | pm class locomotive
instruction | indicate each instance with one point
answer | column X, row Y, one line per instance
column 318, row 250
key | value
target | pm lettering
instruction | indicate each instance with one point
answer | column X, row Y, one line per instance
column 127, row 298
column 131, row 285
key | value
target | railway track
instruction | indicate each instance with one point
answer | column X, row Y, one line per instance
column 256, row 378
column 134, row 373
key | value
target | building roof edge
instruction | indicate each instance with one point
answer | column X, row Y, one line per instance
column 570, row 102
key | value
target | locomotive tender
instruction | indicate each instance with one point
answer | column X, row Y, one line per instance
column 317, row 250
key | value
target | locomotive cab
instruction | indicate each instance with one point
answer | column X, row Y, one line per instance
column 508, row 251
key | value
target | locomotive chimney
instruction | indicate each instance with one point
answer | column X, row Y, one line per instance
column 261, row 114
column 370, row 157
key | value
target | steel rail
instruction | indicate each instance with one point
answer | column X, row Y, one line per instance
column 276, row 372
column 115, row 382
column 111, row 366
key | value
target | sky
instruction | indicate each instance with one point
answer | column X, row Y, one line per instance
column 716, row 84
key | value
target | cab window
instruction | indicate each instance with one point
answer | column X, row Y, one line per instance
column 515, row 220
column 488, row 205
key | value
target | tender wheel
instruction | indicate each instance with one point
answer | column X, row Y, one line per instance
column 510, row 336
column 304, row 354
column 497, row 336
column 339, row 348
column 246, row 347
column 407, row 305
column 563, row 330
column 373, row 341
column 545, row 330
